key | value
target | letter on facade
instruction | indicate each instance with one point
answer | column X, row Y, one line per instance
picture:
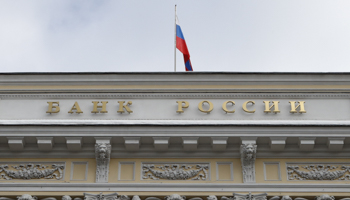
column 293, row 108
column 56, row 107
column 126, row 107
column 200, row 106
column 180, row 106
column 103, row 107
column 224, row 106
column 268, row 107
column 244, row 106
column 75, row 107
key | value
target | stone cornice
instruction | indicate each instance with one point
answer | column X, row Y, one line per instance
column 175, row 95
column 174, row 82
column 174, row 187
column 166, row 122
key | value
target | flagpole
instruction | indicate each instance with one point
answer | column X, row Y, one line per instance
column 175, row 43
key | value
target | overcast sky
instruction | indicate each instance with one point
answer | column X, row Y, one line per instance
column 130, row 35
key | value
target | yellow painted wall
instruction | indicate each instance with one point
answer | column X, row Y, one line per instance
column 127, row 175
column 114, row 167
column 259, row 169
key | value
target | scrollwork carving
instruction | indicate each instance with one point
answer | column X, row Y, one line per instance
column 112, row 196
column 226, row 198
column 318, row 172
column 248, row 157
column 5, row 198
column 66, row 197
column 49, row 198
column 27, row 197
column 103, row 154
column 175, row 197
column 286, row 197
column 175, row 171
column 324, row 197
column 250, row 196
column 152, row 198
column 32, row 171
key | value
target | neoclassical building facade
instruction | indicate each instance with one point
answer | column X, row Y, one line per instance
column 175, row 136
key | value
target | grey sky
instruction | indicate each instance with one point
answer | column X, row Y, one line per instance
column 130, row 35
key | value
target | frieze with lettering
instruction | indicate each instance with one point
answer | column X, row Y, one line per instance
column 101, row 107
column 175, row 109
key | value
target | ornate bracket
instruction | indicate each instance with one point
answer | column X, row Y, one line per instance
column 248, row 157
column 103, row 156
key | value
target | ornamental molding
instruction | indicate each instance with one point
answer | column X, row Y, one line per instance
column 27, row 197
column 319, row 172
column 212, row 197
column 248, row 157
column 103, row 156
column 286, row 197
column 176, row 171
column 101, row 196
column 114, row 196
column 324, row 197
column 177, row 187
column 33, row 170
column 168, row 96
column 173, row 197
column 66, row 197
column 249, row 196
column 30, row 197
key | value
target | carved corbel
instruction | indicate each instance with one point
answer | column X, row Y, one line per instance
column 103, row 155
column 248, row 157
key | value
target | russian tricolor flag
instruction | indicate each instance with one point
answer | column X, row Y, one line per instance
column 181, row 46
